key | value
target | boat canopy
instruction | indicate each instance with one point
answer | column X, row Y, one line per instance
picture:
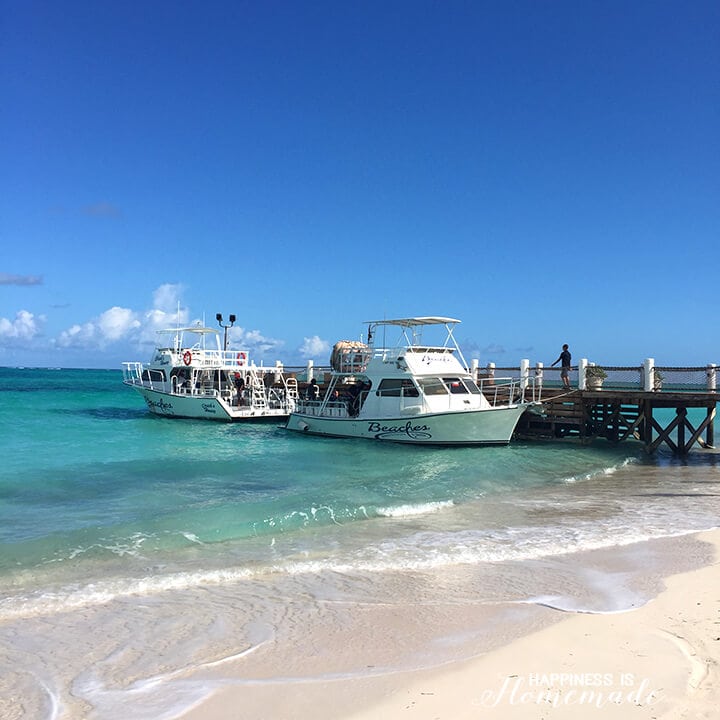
column 193, row 329
column 412, row 330
column 178, row 336
column 412, row 322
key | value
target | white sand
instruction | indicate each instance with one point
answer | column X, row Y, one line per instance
column 658, row 661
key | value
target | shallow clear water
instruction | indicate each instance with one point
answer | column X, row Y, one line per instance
column 135, row 521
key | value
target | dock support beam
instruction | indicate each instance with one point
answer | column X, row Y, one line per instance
column 622, row 415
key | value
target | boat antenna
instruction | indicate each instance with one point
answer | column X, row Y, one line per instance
column 177, row 328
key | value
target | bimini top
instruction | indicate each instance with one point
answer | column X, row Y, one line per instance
column 198, row 329
column 412, row 322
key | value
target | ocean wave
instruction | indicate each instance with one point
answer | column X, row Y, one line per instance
column 102, row 592
column 401, row 511
column 599, row 472
column 416, row 552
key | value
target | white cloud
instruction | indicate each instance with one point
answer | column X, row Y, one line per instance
column 79, row 336
column 165, row 313
column 314, row 347
column 124, row 324
column 22, row 329
column 112, row 325
column 117, row 323
column 253, row 341
column 167, row 298
column 124, row 328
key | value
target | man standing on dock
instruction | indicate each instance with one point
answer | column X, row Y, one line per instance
column 565, row 358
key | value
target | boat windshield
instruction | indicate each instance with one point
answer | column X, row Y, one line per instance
column 452, row 385
column 461, row 386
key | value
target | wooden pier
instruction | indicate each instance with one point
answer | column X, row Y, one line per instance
column 628, row 406
column 621, row 414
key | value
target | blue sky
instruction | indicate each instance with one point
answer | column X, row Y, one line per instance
column 547, row 172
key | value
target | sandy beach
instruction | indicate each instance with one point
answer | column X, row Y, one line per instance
column 657, row 661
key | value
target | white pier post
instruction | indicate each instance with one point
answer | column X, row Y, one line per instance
column 524, row 374
column 711, row 373
column 491, row 373
column 474, row 368
column 539, row 367
column 649, row 374
column 582, row 374
column 310, row 374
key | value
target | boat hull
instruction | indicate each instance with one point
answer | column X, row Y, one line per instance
column 203, row 407
column 493, row 426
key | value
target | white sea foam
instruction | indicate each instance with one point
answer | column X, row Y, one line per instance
column 420, row 551
column 401, row 511
column 569, row 605
column 610, row 470
column 192, row 537
column 105, row 591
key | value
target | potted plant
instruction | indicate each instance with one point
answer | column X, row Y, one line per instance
column 594, row 377
column 657, row 379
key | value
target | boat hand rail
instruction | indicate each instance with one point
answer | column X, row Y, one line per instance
column 330, row 408
column 132, row 373
column 509, row 390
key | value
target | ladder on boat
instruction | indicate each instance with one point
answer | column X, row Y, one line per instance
column 291, row 389
column 259, row 397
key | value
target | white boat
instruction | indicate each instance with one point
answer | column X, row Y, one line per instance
column 192, row 376
column 410, row 392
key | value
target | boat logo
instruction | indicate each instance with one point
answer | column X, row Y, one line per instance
column 159, row 405
column 208, row 408
column 429, row 359
column 414, row 432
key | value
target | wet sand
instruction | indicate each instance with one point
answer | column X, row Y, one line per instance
column 657, row 660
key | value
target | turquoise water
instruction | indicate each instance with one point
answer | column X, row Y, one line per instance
column 104, row 508
column 90, row 476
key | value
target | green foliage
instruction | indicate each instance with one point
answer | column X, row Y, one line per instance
column 595, row 371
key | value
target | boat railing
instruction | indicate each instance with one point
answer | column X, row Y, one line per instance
column 201, row 390
column 508, row 390
column 208, row 358
column 330, row 408
column 135, row 373
column 220, row 358
column 391, row 354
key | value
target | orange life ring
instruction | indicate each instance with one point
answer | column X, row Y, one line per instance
column 187, row 357
column 241, row 358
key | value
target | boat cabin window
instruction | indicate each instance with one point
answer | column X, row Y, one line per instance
column 395, row 387
column 432, row 386
column 471, row 386
column 461, row 386
column 154, row 375
column 455, row 385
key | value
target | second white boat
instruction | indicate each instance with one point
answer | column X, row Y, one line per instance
column 191, row 376
column 409, row 392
